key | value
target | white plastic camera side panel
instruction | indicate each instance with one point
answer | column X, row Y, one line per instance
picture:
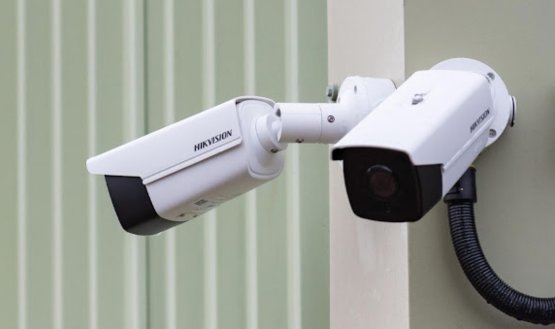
column 183, row 144
column 433, row 129
column 187, row 193
column 190, row 192
column 174, row 147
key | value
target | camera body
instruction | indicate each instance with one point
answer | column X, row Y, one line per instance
column 405, row 156
column 187, row 168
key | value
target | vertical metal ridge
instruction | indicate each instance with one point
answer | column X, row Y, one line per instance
column 22, row 166
column 252, row 261
column 171, row 282
column 169, row 62
column 209, row 64
column 169, row 117
column 293, row 236
column 92, row 187
column 249, row 44
column 210, row 225
column 293, row 173
column 57, row 228
column 292, row 50
column 133, row 283
column 251, row 227
column 211, row 271
column 130, row 49
column 131, row 124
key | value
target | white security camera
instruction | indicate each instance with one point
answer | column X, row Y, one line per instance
column 404, row 157
column 185, row 169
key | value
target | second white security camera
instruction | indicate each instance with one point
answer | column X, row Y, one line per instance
column 405, row 156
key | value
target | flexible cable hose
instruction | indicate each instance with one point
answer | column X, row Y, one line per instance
column 478, row 271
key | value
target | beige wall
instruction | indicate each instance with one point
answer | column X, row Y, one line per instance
column 515, row 176
column 369, row 260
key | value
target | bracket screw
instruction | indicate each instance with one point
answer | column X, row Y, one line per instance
column 331, row 118
column 332, row 90
column 417, row 99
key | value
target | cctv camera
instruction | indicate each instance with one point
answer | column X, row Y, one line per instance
column 180, row 171
column 185, row 169
column 404, row 157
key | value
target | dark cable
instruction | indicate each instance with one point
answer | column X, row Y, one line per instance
column 460, row 201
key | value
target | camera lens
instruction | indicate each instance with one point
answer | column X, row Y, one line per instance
column 383, row 183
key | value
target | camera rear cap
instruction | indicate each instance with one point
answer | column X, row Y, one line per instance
column 503, row 103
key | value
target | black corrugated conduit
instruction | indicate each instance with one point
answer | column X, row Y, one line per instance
column 460, row 201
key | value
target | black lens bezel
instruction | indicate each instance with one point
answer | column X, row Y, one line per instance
column 420, row 186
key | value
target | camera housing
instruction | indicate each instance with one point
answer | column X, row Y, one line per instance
column 187, row 168
column 404, row 157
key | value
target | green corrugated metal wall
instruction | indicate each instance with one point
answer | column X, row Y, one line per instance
column 78, row 77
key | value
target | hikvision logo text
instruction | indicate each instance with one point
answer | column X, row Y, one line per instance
column 213, row 140
column 480, row 119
